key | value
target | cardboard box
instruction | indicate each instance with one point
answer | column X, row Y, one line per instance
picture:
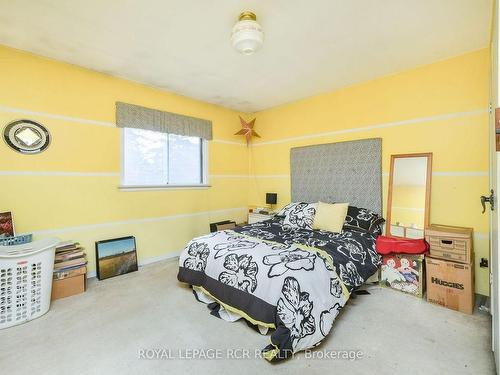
column 58, row 275
column 450, row 243
column 69, row 286
column 404, row 272
column 450, row 284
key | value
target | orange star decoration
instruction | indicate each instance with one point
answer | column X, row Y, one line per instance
column 247, row 130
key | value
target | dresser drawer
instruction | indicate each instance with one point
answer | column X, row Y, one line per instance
column 447, row 243
column 450, row 243
column 457, row 257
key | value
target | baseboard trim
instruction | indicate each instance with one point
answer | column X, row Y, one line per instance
column 144, row 262
column 88, row 227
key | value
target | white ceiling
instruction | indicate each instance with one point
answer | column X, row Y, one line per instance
column 183, row 46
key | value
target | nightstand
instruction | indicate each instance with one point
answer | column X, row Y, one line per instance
column 254, row 217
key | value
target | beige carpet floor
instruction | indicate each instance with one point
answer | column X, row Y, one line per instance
column 104, row 331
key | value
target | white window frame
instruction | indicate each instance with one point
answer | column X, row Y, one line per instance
column 204, row 170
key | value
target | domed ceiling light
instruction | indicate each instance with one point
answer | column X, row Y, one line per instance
column 247, row 36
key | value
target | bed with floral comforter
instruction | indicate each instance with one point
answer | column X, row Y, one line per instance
column 294, row 281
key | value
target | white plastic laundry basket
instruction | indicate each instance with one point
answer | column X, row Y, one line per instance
column 25, row 281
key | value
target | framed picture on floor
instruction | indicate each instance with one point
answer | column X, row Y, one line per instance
column 115, row 257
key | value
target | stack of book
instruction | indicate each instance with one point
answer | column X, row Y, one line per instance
column 70, row 260
column 70, row 270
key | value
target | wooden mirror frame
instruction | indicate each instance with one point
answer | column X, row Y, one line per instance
column 428, row 184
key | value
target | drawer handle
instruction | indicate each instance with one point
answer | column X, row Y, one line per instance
column 446, row 242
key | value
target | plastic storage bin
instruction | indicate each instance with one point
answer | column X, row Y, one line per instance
column 25, row 281
column 16, row 240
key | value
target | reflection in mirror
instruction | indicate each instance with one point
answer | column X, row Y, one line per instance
column 409, row 195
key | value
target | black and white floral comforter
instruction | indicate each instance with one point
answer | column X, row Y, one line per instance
column 294, row 281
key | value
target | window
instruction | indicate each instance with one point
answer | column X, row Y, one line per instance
column 154, row 159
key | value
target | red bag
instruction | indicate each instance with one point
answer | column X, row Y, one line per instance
column 396, row 245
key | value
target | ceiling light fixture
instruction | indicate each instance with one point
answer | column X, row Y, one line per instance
column 247, row 36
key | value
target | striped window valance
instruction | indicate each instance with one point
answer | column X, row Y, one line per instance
column 135, row 116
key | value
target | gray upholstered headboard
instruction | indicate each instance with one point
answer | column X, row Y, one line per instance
column 339, row 172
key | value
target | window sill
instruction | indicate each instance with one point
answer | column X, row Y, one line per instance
column 163, row 187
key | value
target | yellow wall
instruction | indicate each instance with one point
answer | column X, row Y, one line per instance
column 439, row 108
column 71, row 189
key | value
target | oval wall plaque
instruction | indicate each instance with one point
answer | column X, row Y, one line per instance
column 26, row 136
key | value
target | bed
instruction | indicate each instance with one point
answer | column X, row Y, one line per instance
column 281, row 274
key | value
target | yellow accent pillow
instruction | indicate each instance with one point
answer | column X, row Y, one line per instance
column 330, row 217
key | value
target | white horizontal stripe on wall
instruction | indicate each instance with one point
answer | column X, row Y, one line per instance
column 418, row 120
column 454, row 174
column 270, row 176
column 163, row 187
column 228, row 176
column 481, row 236
column 221, row 176
column 80, row 120
column 81, row 228
column 458, row 173
column 106, row 174
column 57, row 173
column 386, row 174
column 54, row 116
column 228, row 142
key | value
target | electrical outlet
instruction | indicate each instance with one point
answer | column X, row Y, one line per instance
column 483, row 263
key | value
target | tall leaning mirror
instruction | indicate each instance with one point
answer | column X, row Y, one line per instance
column 409, row 197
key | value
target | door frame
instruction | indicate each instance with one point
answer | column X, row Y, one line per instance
column 494, row 182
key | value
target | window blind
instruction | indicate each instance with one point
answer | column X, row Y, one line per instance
column 135, row 116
